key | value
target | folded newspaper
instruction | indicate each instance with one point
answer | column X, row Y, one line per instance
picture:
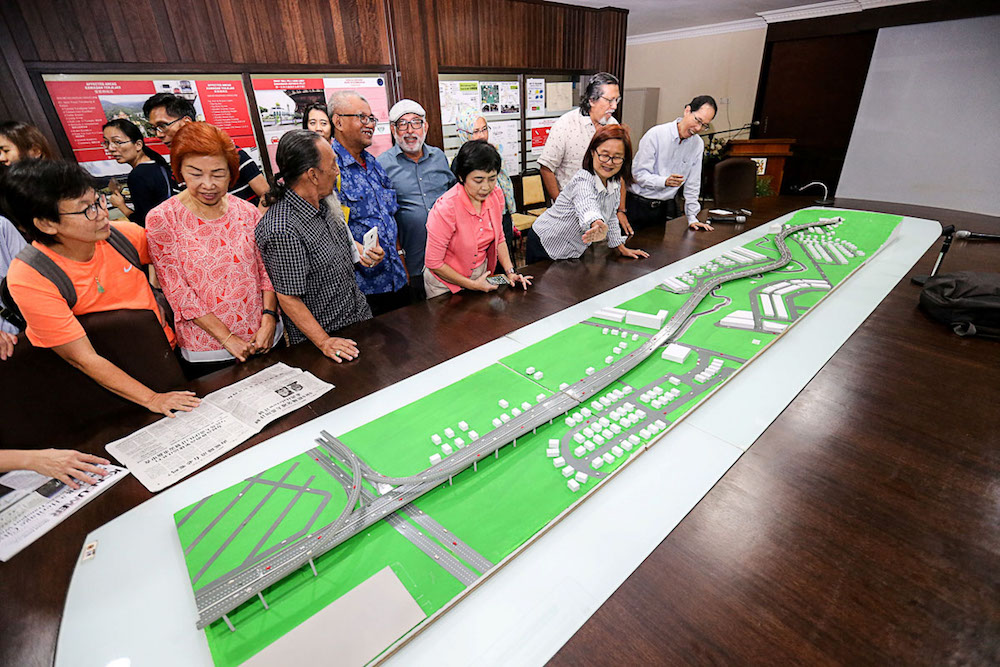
column 32, row 504
column 168, row 450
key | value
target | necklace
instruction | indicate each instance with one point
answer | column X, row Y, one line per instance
column 100, row 287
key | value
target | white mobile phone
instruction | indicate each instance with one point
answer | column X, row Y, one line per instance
column 370, row 238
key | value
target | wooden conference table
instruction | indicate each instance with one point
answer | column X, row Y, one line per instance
column 879, row 541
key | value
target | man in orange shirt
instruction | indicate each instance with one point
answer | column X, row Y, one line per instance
column 56, row 202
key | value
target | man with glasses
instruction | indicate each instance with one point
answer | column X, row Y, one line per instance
column 669, row 158
column 167, row 113
column 367, row 193
column 569, row 136
column 419, row 174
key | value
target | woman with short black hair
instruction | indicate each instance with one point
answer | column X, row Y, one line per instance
column 68, row 220
column 149, row 180
column 465, row 239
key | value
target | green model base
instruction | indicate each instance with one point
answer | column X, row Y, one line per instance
column 500, row 506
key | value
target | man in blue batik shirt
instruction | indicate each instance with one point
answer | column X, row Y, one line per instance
column 420, row 174
column 366, row 190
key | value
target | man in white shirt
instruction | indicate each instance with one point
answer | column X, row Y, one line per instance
column 570, row 136
column 669, row 157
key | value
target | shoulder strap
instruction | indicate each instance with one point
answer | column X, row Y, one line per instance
column 42, row 263
column 166, row 177
column 120, row 242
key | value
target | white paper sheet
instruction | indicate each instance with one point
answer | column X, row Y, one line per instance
column 171, row 449
column 510, row 98
column 535, row 95
column 36, row 504
column 560, row 95
column 456, row 94
column 506, row 134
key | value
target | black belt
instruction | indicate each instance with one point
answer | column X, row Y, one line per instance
column 652, row 203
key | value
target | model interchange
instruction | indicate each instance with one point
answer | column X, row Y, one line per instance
column 267, row 535
column 225, row 594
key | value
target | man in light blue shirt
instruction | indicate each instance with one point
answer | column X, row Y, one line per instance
column 669, row 158
column 419, row 174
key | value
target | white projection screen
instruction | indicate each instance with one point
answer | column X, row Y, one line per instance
column 928, row 128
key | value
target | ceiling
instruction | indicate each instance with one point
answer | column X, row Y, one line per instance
column 650, row 16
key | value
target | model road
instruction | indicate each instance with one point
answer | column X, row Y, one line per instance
column 216, row 600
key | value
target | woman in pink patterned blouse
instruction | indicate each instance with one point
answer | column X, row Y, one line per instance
column 203, row 250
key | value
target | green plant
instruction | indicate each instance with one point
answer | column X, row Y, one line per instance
column 763, row 188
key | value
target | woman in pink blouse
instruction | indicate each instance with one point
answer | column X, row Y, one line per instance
column 465, row 239
column 203, row 249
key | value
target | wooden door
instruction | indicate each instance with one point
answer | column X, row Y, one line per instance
column 811, row 91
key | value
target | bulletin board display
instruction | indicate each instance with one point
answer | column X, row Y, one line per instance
column 549, row 96
column 85, row 102
column 281, row 100
column 495, row 97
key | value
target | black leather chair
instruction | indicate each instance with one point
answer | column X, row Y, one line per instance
column 735, row 182
column 47, row 403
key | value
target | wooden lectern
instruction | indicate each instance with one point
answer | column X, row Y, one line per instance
column 775, row 150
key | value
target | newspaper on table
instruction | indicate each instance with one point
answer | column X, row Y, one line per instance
column 32, row 504
column 168, row 450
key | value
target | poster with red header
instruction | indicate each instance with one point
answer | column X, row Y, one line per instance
column 85, row 103
column 540, row 133
column 281, row 100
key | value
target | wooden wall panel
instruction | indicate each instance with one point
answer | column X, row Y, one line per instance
column 296, row 32
column 18, row 100
column 416, row 34
column 535, row 35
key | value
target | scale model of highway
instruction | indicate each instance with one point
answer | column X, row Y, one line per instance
column 603, row 430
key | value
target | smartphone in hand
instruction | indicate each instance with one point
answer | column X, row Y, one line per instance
column 498, row 279
column 370, row 238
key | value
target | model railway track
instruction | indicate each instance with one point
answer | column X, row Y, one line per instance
column 217, row 599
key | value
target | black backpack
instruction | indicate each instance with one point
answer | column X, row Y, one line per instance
column 967, row 301
column 41, row 262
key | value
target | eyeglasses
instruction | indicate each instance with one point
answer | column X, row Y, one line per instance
column 613, row 101
column 610, row 159
column 160, row 128
column 702, row 124
column 90, row 213
column 116, row 142
column 480, row 130
column 365, row 119
column 415, row 123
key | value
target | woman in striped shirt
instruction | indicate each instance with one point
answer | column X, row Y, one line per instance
column 586, row 210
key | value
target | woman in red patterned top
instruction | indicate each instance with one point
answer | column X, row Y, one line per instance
column 203, row 249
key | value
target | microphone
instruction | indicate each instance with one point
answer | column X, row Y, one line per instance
column 728, row 218
column 965, row 234
column 948, row 233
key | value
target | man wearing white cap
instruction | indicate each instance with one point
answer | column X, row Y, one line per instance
column 419, row 174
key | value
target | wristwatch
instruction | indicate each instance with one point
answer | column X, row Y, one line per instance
column 271, row 313
column 621, row 210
